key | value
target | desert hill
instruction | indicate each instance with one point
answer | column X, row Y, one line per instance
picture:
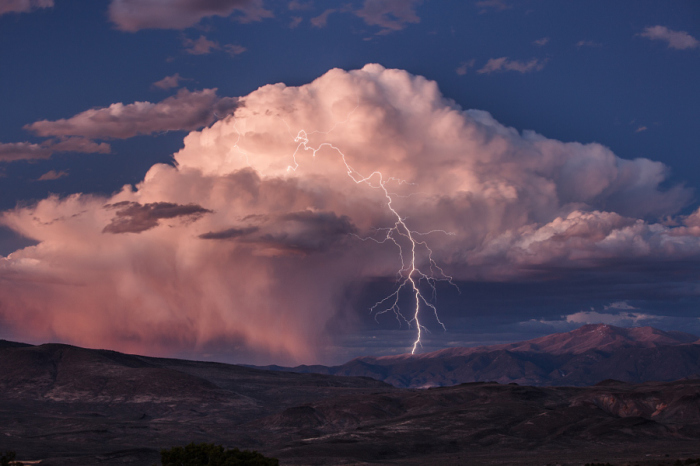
column 65, row 405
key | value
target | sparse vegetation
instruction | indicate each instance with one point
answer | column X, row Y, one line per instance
column 208, row 454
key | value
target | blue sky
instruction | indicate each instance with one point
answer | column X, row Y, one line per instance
column 622, row 74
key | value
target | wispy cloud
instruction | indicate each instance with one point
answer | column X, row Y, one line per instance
column 495, row 5
column 679, row 40
column 16, row 151
column 53, row 175
column 135, row 15
column 588, row 43
column 390, row 15
column 23, row 6
column 321, row 20
column 541, row 42
column 201, row 46
column 296, row 21
column 465, row 66
column 168, row 82
column 233, row 49
column 296, row 5
column 504, row 64
column 184, row 111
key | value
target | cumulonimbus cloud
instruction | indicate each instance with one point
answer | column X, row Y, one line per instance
column 186, row 110
column 249, row 241
column 134, row 15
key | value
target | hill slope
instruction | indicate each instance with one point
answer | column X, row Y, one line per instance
column 65, row 405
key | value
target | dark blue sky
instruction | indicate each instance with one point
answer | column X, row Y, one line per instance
column 623, row 74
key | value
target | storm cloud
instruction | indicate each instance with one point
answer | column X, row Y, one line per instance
column 290, row 212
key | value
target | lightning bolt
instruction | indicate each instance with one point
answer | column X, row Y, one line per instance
column 410, row 276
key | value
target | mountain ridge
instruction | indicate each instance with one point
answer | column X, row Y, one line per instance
column 581, row 357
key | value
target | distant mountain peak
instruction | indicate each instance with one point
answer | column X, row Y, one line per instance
column 602, row 337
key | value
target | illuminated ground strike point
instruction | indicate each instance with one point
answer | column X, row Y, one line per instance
column 410, row 276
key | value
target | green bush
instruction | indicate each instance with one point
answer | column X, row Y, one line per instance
column 208, row 454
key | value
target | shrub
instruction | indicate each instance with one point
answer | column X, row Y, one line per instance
column 208, row 454
column 8, row 459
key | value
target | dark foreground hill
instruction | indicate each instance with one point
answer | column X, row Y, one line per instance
column 581, row 357
column 65, row 405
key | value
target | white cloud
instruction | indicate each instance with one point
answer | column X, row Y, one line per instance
column 541, row 42
column 679, row 40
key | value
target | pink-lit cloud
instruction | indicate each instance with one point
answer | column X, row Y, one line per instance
column 23, row 6
column 679, row 40
column 168, row 82
column 185, row 111
column 200, row 46
column 53, row 175
column 77, row 144
column 230, row 248
column 134, row 15
column 15, row 151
